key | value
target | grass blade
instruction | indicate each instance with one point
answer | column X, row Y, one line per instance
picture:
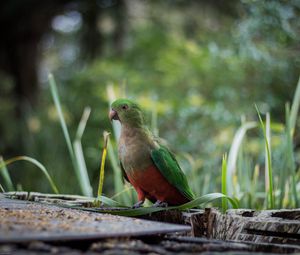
column 109, row 202
column 101, row 176
column 207, row 199
column 267, row 164
column 268, row 156
column 233, row 154
column 5, row 174
column 82, row 124
column 254, row 185
column 84, row 178
column 290, row 155
column 224, row 184
column 36, row 163
column 295, row 108
column 65, row 130
column 61, row 117
column 126, row 189
column 1, row 188
column 117, row 175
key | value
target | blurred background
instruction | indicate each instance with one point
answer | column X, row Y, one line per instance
column 196, row 67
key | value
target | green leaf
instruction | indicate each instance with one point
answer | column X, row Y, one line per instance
column 224, row 183
column 206, row 199
column 82, row 178
column 109, row 202
column 147, row 210
column 295, row 108
column 290, row 155
column 102, row 166
column 83, row 173
column 269, row 180
column 36, row 163
column 233, row 153
column 6, row 176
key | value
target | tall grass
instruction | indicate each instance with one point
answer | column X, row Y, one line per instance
column 36, row 163
column 281, row 187
column 102, row 165
column 268, row 162
column 290, row 155
column 77, row 162
column 254, row 187
column 1, row 188
column 223, row 183
column 6, row 176
column 269, row 170
column 78, row 150
column 233, row 155
column 295, row 108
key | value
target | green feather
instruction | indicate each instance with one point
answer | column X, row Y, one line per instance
column 165, row 161
column 128, row 112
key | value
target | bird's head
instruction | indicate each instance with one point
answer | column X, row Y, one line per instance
column 127, row 112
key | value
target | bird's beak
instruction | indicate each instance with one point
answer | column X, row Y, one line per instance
column 113, row 115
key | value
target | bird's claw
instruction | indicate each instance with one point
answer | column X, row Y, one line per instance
column 138, row 204
column 159, row 203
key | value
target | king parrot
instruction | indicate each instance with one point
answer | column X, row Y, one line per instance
column 145, row 162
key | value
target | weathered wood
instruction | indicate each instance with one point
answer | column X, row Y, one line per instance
column 58, row 199
column 162, row 246
column 22, row 221
column 169, row 216
column 196, row 219
column 270, row 230
column 258, row 227
column 241, row 246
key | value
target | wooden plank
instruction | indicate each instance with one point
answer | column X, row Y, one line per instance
column 259, row 228
column 22, row 221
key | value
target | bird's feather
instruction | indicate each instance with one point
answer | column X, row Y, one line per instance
column 167, row 164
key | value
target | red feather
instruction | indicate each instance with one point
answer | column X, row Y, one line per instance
column 150, row 183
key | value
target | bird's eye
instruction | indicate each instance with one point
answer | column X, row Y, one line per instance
column 125, row 107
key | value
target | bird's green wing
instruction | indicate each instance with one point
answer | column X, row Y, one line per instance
column 165, row 161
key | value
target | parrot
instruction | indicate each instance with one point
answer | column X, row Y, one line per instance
column 145, row 161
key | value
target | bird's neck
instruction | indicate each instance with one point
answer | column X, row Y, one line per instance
column 128, row 130
column 134, row 148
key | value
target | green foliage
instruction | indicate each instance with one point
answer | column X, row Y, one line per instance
column 78, row 162
column 78, row 151
column 6, row 176
column 102, row 166
column 224, row 183
column 43, row 169
column 194, row 75
column 200, row 201
column 291, row 167
column 268, row 165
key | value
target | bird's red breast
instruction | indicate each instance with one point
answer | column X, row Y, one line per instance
column 155, row 186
